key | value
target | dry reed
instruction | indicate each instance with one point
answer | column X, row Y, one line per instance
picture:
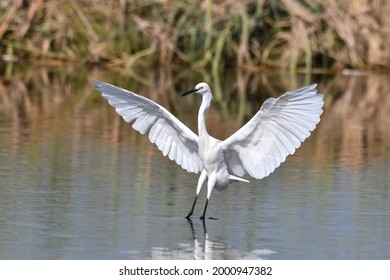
column 251, row 34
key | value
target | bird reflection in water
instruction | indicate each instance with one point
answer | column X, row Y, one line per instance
column 211, row 250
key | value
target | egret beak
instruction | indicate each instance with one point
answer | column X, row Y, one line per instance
column 189, row 92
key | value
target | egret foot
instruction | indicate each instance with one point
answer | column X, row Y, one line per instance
column 209, row 218
column 188, row 217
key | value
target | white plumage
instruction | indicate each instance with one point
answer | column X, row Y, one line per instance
column 260, row 146
column 171, row 136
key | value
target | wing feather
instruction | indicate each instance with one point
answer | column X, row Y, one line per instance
column 171, row 136
column 276, row 131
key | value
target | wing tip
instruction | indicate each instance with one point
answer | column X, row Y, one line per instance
column 98, row 83
column 100, row 86
column 313, row 88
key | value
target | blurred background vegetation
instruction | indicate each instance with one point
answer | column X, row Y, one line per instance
column 303, row 35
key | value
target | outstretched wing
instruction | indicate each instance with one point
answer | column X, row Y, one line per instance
column 276, row 131
column 171, row 136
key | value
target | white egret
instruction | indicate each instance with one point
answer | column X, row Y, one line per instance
column 257, row 148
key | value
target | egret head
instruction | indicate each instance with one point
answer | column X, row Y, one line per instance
column 201, row 88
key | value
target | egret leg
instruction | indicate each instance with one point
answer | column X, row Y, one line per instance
column 201, row 180
column 204, row 210
column 192, row 209
column 210, row 186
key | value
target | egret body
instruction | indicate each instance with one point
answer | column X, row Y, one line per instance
column 260, row 146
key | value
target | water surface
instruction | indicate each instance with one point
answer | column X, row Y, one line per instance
column 76, row 182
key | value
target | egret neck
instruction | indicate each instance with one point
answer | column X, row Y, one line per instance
column 206, row 101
